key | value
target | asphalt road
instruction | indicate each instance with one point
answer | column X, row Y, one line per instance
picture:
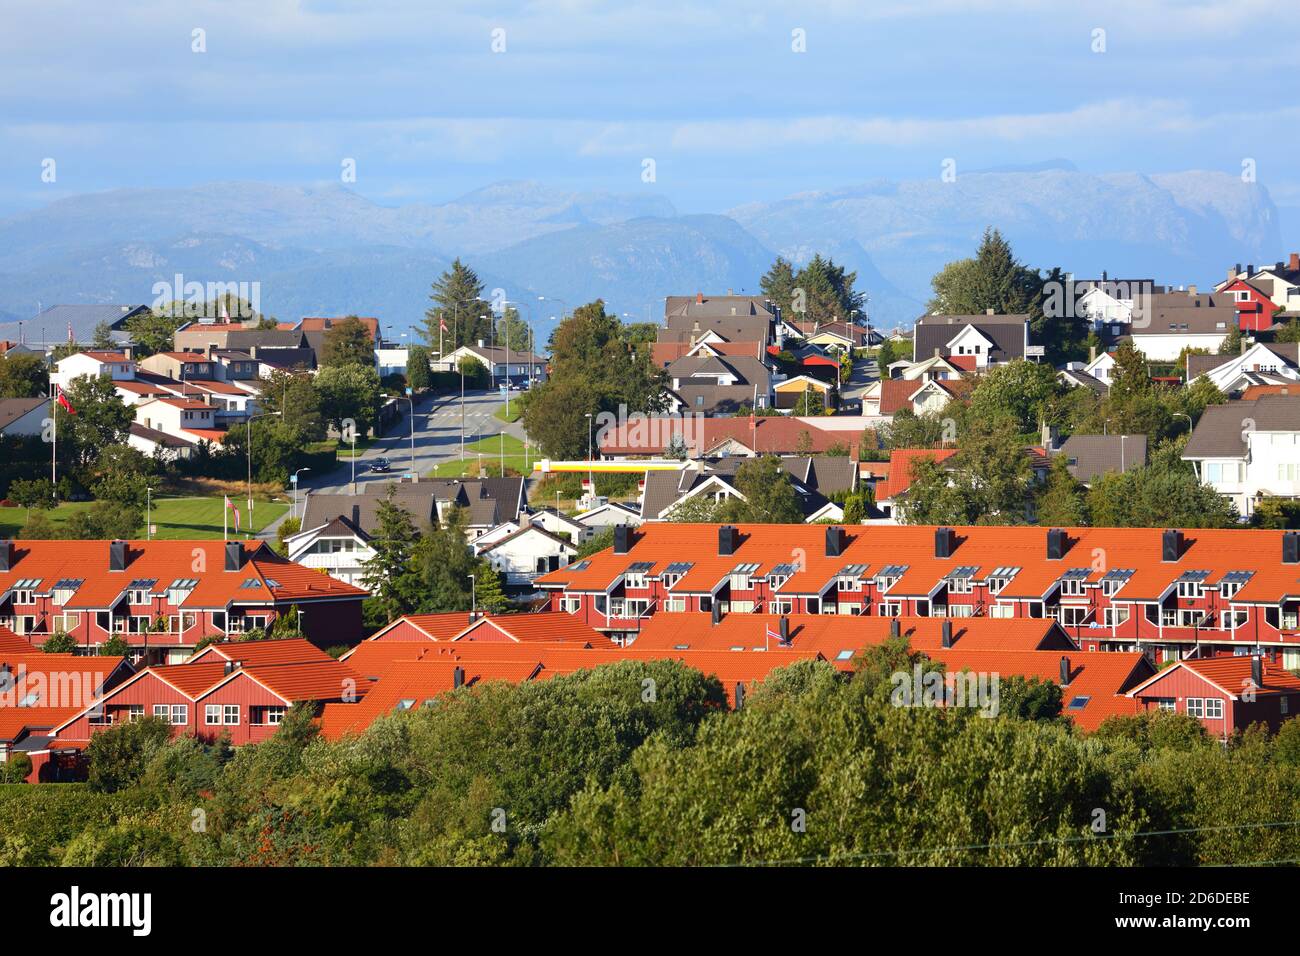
column 437, row 439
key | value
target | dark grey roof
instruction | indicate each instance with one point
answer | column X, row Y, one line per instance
column 715, row 399
column 363, row 510
column 490, row 501
column 287, row 358
column 663, row 488
column 1200, row 364
column 165, row 439
column 1221, row 431
column 1084, row 379
column 717, row 306
column 1006, row 332
column 1089, row 456
column 12, row 409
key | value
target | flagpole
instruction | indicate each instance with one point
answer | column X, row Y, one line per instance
column 225, row 520
column 54, row 445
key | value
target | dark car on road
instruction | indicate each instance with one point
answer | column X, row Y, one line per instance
column 381, row 465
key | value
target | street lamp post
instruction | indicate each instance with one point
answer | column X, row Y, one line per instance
column 410, row 401
column 148, row 513
column 473, row 598
column 294, row 481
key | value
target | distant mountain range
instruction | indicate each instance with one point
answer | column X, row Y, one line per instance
column 329, row 251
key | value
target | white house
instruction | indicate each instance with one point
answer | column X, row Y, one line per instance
column 184, row 417
column 116, row 365
column 1249, row 450
column 607, row 514
column 1260, row 364
column 23, row 416
column 526, row 554
column 338, row 547
column 519, row 366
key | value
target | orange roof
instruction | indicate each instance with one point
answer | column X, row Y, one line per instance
column 1098, row 679
column 101, row 356
column 265, row 578
column 291, row 680
column 11, row 643
column 901, row 463
column 1232, row 675
column 186, row 403
column 1255, row 391
column 211, row 434
column 411, row 684
column 189, row 358
column 140, row 388
column 985, row 548
column 208, row 385
column 834, row 635
column 551, row 626
column 547, row 626
column 290, row 651
column 79, row 680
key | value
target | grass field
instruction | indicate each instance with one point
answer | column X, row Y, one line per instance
column 516, row 412
column 172, row 517
column 490, row 449
column 344, row 449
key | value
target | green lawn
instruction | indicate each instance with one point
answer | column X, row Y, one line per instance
column 516, row 412
column 344, row 449
column 490, row 447
column 172, row 517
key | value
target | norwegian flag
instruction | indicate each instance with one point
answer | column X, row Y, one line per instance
column 442, row 323
column 231, row 505
column 776, row 635
column 63, row 400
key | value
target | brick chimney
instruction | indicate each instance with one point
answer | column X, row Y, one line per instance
column 699, row 298
column 1294, row 263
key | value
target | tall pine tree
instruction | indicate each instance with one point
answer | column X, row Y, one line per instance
column 457, row 299
column 390, row 575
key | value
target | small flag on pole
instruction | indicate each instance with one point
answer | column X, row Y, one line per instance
column 63, row 400
column 231, row 505
column 442, row 324
column 771, row 634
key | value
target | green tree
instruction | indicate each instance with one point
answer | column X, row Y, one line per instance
column 117, row 755
column 32, row 493
column 347, row 342
column 101, row 420
column 1062, row 500
column 390, row 576
column 1166, row 493
column 770, row 497
column 993, row 279
column 349, row 393
column 152, row 332
column 1019, row 390
column 115, row 646
column 59, row 643
column 294, row 399
column 457, row 301
column 778, row 283
column 23, row 376
column 1231, row 344
column 418, row 374
column 102, row 336
column 489, row 588
column 443, row 563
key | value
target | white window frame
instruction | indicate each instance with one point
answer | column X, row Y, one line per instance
column 212, row 715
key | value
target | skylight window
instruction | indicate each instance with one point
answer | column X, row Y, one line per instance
column 1078, row 703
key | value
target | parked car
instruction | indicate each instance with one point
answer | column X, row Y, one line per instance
column 381, row 465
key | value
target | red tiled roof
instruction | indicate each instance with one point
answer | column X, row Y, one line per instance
column 415, row 682
column 773, row 434
column 901, row 463
column 11, row 643
column 265, row 578
column 1232, row 675
column 983, row 547
column 101, row 356
column 1253, row 392
column 290, row 651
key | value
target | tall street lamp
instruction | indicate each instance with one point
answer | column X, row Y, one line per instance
column 293, row 480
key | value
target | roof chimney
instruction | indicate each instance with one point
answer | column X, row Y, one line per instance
column 458, row 678
column 715, row 613
column 699, row 298
column 1290, row 547
column 834, row 541
column 945, row 540
column 1065, row 672
column 1055, row 544
column 117, row 556
column 234, row 555
column 1250, row 269
column 740, row 694
column 894, row 628
column 6, row 555
column 622, row 538
column 1171, row 545
column 232, row 666
column 1294, row 263
column 1191, row 290
column 783, row 628
column 726, row 539
column 946, row 638
column 1048, row 437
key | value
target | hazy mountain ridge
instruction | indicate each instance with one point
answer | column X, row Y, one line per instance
column 325, row 249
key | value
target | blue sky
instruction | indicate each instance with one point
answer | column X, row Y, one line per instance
column 585, row 91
